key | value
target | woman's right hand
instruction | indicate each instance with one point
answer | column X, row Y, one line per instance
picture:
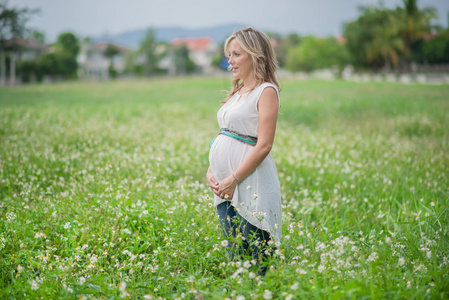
column 212, row 182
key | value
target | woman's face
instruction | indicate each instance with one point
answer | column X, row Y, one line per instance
column 240, row 61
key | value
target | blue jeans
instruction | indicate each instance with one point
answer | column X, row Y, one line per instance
column 255, row 240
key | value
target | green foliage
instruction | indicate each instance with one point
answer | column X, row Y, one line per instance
column 148, row 49
column 30, row 70
column 67, row 45
column 380, row 37
column 217, row 59
column 12, row 25
column 316, row 53
column 387, row 42
column 415, row 22
column 293, row 39
column 111, row 51
column 283, row 46
column 416, row 50
column 130, row 65
column 374, row 39
column 184, row 64
column 432, row 51
column 50, row 64
column 102, row 192
column 59, row 63
column 437, row 49
column 36, row 36
column 66, row 50
column 112, row 71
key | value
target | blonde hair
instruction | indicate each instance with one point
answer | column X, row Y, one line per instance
column 259, row 48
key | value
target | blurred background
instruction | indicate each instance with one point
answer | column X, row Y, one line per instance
column 54, row 40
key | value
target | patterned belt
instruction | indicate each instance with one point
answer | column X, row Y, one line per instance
column 247, row 139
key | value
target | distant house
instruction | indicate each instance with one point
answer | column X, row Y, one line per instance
column 30, row 50
column 24, row 50
column 201, row 51
column 93, row 63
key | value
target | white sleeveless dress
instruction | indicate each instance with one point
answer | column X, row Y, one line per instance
column 257, row 198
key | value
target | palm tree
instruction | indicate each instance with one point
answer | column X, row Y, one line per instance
column 386, row 40
column 416, row 23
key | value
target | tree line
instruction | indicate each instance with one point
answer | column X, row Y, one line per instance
column 380, row 39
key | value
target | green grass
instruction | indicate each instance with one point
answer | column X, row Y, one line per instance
column 103, row 184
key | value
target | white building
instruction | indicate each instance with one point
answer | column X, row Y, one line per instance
column 93, row 63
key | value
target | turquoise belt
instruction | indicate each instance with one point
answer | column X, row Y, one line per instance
column 247, row 139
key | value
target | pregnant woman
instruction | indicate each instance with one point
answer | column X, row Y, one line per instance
column 242, row 173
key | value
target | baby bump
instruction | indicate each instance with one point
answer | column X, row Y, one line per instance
column 225, row 156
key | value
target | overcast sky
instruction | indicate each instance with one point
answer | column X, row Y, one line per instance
column 100, row 17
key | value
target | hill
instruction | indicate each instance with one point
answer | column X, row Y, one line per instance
column 131, row 39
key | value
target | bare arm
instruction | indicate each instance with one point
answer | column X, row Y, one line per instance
column 268, row 112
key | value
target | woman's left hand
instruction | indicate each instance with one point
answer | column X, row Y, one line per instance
column 226, row 187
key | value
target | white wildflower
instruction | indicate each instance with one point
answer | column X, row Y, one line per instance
column 301, row 271
column 39, row 235
column 10, row 216
column 34, row 285
column 373, row 257
column 267, row 294
column 93, row 259
column 122, row 286
column 224, row 243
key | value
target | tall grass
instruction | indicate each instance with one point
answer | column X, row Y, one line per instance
column 103, row 192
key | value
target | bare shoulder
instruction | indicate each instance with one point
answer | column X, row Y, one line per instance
column 268, row 98
column 269, row 92
column 269, row 95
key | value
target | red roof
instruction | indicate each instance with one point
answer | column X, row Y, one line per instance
column 30, row 45
column 429, row 36
column 104, row 45
column 193, row 44
column 340, row 39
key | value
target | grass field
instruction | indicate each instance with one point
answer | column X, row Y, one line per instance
column 103, row 192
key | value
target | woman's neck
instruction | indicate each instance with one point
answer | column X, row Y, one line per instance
column 248, row 85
